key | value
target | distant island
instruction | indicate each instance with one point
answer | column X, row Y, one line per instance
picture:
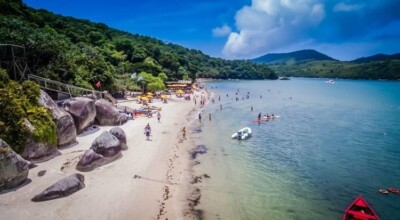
column 311, row 63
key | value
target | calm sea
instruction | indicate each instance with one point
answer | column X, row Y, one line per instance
column 331, row 143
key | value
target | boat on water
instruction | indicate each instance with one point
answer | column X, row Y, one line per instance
column 331, row 81
column 242, row 134
column 394, row 190
column 359, row 210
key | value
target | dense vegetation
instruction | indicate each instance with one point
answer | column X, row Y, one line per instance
column 310, row 63
column 18, row 107
column 82, row 53
column 389, row 69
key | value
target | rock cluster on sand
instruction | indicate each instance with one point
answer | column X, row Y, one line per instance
column 82, row 110
column 66, row 131
column 108, row 114
column 13, row 168
column 105, row 149
column 62, row 188
column 120, row 134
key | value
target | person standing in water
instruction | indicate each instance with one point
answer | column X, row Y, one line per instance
column 200, row 117
column 259, row 116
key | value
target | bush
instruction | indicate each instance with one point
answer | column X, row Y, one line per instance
column 18, row 103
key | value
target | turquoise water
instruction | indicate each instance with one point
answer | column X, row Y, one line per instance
column 331, row 143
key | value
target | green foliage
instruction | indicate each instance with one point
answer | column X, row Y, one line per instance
column 82, row 53
column 150, row 82
column 18, row 103
column 389, row 69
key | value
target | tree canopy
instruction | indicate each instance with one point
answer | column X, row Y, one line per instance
column 82, row 53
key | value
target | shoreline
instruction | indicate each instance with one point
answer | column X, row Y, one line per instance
column 149, row 181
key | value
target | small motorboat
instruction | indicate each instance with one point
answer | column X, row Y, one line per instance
column 394, row 190
column 330, row 81
column 383, row 191
column 242, row 134
column 359, row 210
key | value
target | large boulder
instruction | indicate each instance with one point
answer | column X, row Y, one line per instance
column 108, row 114
column 82, row 110
column 66, row 130
column 105, row 149
column 34, row 149
column 62, row 188
column 90, row 160
column 120, row 134
column 13, row 168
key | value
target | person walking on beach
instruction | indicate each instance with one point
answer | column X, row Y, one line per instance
column 147, row 131
column 200, row 117
column 184, row 133
column 251, row 108
column 209, row 116
column 158, row 117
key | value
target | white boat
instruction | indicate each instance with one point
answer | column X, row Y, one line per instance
column 242, row 134
column 330, row 81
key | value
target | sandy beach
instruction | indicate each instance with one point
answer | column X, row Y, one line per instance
column 149, row 181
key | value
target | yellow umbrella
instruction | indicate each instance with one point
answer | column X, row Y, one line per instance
column 164, row 96
column 149, row 94
column 144, row 99
column 179, row 92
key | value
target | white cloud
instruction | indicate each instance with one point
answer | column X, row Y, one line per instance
column 347, row 7
column 225, row 30
column 270, row 24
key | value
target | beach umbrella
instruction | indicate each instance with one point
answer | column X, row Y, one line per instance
column 149, row 94
column 179, row 92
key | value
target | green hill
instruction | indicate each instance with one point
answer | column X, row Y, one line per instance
column 389, row 69
column 292, row 57
column 377, row 57
column 310, row 63
column 81, row 52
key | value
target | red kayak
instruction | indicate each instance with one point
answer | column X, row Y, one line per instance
column 394, row 190
column 261, row 120
column 359, row 210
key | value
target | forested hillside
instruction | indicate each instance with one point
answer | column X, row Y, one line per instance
column 82, row 53
column 293, row 57
column 311, row 63
column 389, row 69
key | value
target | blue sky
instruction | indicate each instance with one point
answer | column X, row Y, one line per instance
column 232, row 29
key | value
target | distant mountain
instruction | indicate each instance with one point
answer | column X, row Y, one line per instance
column 296, row 57
column 377, row 57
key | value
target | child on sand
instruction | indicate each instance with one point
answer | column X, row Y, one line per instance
column 184, row 133
column 147, row 131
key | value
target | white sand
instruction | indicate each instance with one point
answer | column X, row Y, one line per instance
column 111, row 191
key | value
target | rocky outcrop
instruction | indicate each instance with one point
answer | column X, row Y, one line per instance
column 108, row 114
column 36, row 150
column 105, row 149
column 120, row 135
column 62, row 188
column 82, row 110
column 66, row 130
column 13, row 168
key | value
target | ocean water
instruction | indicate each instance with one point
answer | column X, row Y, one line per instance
column 331, row 143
